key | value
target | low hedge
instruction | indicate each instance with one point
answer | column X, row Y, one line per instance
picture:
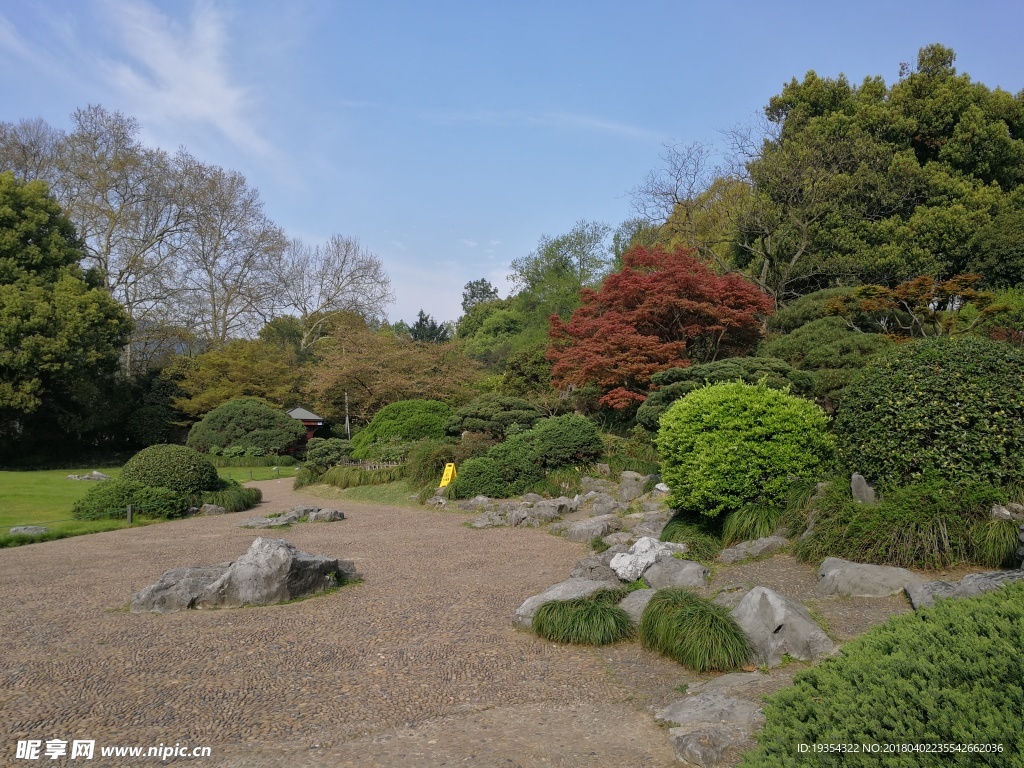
column 109, row 500
column 948, row 675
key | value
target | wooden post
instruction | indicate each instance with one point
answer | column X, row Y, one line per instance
column 130, row 515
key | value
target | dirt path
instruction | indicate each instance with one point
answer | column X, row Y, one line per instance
column 416, row 666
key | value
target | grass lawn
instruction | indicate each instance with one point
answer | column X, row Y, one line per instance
column 45, row 497
column 390, row 494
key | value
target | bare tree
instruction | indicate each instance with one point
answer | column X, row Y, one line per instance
column 28, row 149
column 228, row 260
column 686, row 171
column 320, row 282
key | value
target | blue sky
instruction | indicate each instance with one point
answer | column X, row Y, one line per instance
column 449, row 136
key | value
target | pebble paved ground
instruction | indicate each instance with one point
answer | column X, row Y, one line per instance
column 416, row 666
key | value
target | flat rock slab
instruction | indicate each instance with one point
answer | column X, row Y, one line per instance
column 593, row 568
column 594, row 527
column 924, row 595
column 27, row 530
column 672, row 572
column 325, row 516
column 712, row 709
column 94, row 475
column 777, row 625
column 564, row 590
column 212, row 509
column 749, row 549
column 711, row 746
column 841, row 577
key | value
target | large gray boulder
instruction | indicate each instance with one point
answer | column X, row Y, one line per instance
column 777, row 625
column 712, row 746
column 841, row 577
column 272, row 571
column 564, row 590
column 631, row 565
column 212, row 509
column 635, row 602
column 748, row 549
column 594, row 527
column 177, row 589
column 631, row 486
column 924, row 595
column 673, row 572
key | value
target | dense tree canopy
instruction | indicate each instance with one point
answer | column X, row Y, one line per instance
column 663, row 310
column 59, row 331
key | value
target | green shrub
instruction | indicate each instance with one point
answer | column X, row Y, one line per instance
column 830, row 351
column 172, row 466
column 247, row 422
column 676, row 383
column 402, row 422
column 323, row 453
column 234, row 497
column 592, row 620
column 426, row 460
column 805, row 310
column 930, row 524
column 693, row 631
column 731, row 445
column 479, row 477
column 947, row 675
column 703, row 544
column 492, row 414
column 952, row 406
column 353, row 477
column 524, row 459
column 110, row 500
column 564, row 441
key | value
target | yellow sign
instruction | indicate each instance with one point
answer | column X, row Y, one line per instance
column 449, row 475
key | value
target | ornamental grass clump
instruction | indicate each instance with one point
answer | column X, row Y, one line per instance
column 592, row 620
column 693, row 631
column 703, row 545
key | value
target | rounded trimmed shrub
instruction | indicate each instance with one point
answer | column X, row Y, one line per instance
column 591, row 620
column 247, row 422
column 958, row 666
column 731, row 445
column 693, row 631
column 492, row 414
column 324, row 453
column 564, row 441
column 172, row 466
column 675, row 383
column 110, row 500
column 951, row 406
column 404, row 422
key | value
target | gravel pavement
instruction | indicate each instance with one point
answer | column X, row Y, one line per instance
column 416, row 666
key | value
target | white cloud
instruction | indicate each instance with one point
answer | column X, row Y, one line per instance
column 495, row 242
column 172, row 72
column 469, row 243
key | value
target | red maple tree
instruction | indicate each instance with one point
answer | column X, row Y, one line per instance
column 665, row 309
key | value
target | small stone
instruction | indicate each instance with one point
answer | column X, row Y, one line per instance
column 326, row 516
column 862, row 492
column 27, row 530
